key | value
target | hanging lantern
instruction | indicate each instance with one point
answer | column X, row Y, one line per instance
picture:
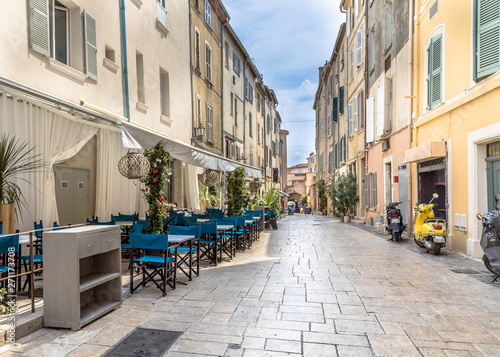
column 133, row 166
column 209, row 178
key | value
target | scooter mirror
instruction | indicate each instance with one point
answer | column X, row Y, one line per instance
column 479, row 216
column 435, row 195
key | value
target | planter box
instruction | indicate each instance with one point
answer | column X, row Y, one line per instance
column 347, row 219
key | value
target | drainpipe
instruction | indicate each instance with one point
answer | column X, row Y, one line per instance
column 264, row 142
column 193, row 130
column 244, row 104
column 367, row 76
column 124, row 60
column 410, row 131
column 222, row 86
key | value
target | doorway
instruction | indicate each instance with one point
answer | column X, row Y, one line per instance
column 72, row 194
column 432, row 179
column 493, row 167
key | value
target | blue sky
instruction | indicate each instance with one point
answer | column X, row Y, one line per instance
column 289, row 40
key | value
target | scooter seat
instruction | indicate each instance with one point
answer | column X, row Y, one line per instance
column 435, row 220
column 493, row 255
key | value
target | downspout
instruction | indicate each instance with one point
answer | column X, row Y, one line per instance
column 124, row 60
column 244, row 105
column 410, row 131
column 193, row 136
column 222, row 85
column 367, row 77
column 265, row 147
column 346, row 84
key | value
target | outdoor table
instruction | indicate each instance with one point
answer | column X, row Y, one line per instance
column 221, row 228
column 203, row 220
column 124, row 223
column 180, row 239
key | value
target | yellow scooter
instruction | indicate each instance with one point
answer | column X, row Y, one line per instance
column 429, row 232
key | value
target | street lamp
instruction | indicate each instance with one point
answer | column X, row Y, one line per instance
column 200, row 131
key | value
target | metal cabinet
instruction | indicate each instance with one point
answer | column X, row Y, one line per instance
column 82, row 275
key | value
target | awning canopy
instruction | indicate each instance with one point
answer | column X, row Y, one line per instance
column 425, row 152
column 284, row 194
column 136, row 136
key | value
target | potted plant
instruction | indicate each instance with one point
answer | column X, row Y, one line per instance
column 320, row 185
column 237, row 193
column 154, row 181
column 342, row 192
column 271, row 198
column 16, row 158
column 208, row 195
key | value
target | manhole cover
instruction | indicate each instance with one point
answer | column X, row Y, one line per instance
column 144, row 342
column 465, row 271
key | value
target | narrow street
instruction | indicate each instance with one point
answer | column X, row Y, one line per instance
column 316, row 287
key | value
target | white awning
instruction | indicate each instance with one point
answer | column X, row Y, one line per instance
column 133, row 134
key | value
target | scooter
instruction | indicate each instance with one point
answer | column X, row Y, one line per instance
column 429, row 232
column 395, row 225
column 490, row 243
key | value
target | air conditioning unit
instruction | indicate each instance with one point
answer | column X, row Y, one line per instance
column 385, row 145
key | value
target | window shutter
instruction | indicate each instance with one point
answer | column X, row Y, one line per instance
column 345, row 149
column 341, row 100
column 361, row 121
column 374, row 189
column 488, row 37
column 246, row 87
column 380, row 111
column 341, row 146
column 208, row 13
column 349, row 119
column 39, row 26
column 234, row 60
column 90, row 26
column 351, row 65
column 370, row 120
column 355, row 113
column 336, row 156
column 435, row 71
column 335, row 109
column 367, row 191
column 359, row 48
column 348, row 24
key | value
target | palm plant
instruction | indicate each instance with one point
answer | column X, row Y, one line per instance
column 271, row 198
column 16, row 159
column 209, row 195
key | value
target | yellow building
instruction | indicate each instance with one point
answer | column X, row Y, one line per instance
column 456, row 130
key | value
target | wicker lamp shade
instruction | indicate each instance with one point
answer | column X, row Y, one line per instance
column 133, row 165
column 209, row 178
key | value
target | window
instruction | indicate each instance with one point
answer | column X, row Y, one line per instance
column 246, row 87
column 250, row 125
column 196, row 49
column 258, row 101
column 139, row 65
column 208, row 13
column 258, row 133
column 50, row 33
column 251, row 158
column 370, row 120
column 433, row 10
column 164, row 93
column 329, row 126
column 366, row 185
column 360, row 109
column 275, row 125
column 388, row 23
column 268, row 123
column 374, row 189
column 232, row 104
column 351, row 66
column 355, row 113
column 341, row 100
column 198, row 109
column 434, row 72
column 359, row 48
column 210, row 123
column 335, row 109
column 196, row 4
column 250, row 88
column 236, row 63
column 161, row 12
column 208, row 61
column 487, row 38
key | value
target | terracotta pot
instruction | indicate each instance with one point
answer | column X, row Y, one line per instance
column 7, row 214
column 347, row 219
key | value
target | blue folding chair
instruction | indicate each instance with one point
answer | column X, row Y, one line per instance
column 228, row 238
column 162, row 266
column 125, row 217
column 209, row 244
column 189, row 252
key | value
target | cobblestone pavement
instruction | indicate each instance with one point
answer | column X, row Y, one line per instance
column 315, row 287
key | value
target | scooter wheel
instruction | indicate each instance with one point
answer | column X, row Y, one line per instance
column 397, row 236
column 437, row 248
column 488, row 266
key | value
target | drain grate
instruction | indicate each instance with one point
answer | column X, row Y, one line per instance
column 465, row 271
column 144, row 342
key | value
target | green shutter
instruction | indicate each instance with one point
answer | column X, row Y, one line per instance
column 336, row 156
column 435, row 78
column 90, row 26
column 341, row 100
column 39, row 26
column 488, row 37
column 335, row 109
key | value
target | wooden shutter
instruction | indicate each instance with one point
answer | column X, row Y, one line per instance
column 39, row 26
column 367, row 191
column 355, row 113
column 335, row 109
column 361, row 102
column 370, row 120
column 336, row 156
column 341, row 100
column 374, row 189
column 488, row 37
column 434, row 78
column 380, row 111
column 90, row 26
column 359, row 48
column 349, row 119
column 345, row 149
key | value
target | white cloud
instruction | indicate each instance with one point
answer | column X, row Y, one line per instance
column 289, row 40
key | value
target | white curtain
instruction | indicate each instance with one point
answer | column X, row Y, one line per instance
column 191, row 185
column 55, row 138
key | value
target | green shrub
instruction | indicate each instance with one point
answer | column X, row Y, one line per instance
column 342, row 191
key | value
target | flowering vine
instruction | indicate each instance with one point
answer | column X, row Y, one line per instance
column 237, row 193
column 158, row 175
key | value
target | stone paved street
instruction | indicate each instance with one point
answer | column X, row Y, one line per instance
column 315, row 287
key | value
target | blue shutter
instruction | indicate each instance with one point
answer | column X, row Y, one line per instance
column 488, row 37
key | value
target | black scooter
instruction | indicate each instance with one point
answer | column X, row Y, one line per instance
column 395, row 225
column 490, row 240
